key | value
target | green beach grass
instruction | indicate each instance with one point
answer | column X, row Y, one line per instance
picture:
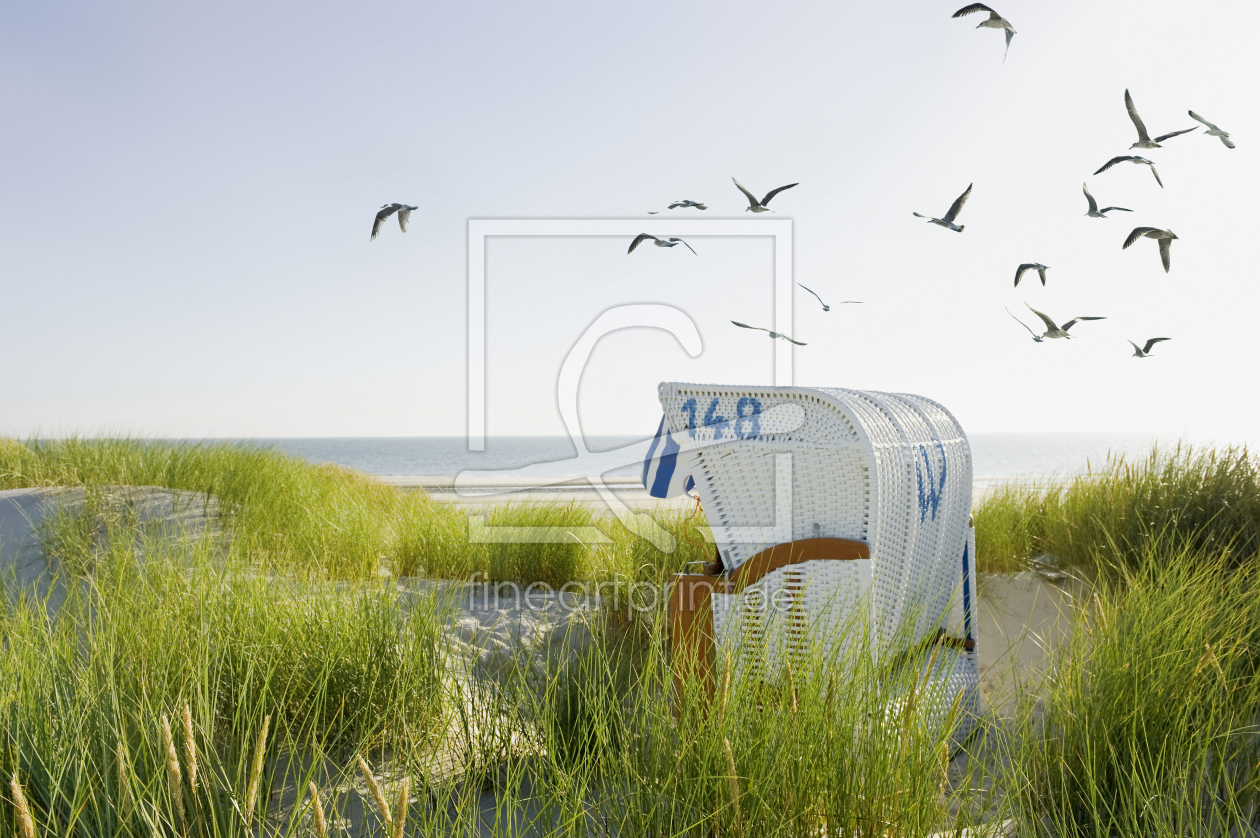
column 240, row 686
column 1198, row 498
column 181, row 697
column 332, row 522
column 329, row 521
column 175, row 694
column 1151, row 722
column 162, row 637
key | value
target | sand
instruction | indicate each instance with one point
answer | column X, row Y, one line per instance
column 24, row 513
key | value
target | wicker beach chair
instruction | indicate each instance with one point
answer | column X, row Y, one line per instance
column 848, row 522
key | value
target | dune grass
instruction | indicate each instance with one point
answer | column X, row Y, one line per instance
column 1151, row 720
column 1205, row 499
column 176, row 694
column 180, row 690
column 610, row 748
column 157, row 697
column 332, row 522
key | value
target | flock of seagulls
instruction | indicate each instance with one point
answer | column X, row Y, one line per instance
column 1053, row 331
column 1144, row 141
column 1163, row 237
column 753, row 206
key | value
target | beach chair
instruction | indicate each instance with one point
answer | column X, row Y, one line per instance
column 850, row 507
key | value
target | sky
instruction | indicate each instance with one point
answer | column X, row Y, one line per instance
column 186, row 196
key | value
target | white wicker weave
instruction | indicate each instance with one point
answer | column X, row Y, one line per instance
column 783, row 613
column 890, row 470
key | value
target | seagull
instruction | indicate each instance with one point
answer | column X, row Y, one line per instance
column 1145, row 351
column 1035, row 336
column 1143, row 140
column 404, row 215
column 824, row 305
column 772, row 334
column 995, row 21
column 1053, row 331
column 671, row 242
column 760, row 206
column 1131, row 159
column 1164, row 237
column 1028, row 266
column 686, row 203
column 1213, row 130
column 1094, row 211
column 948, row 220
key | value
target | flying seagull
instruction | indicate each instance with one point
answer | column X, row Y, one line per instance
column 670, row 242
column 1053, row 331
column 1035, row 336
column 760, row 206
column 1145, row 351
column 1131, row 159
column 772, row 334
column 685, row 203
column 404, row 215
column 995, row 21
column 948, row 220
column 1028, row 266
column 1213, row 130
column 824, row 305
column 1094, row 211
column 1164, row 237
column 1145, row 141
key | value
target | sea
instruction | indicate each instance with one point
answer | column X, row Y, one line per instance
column 996, row 457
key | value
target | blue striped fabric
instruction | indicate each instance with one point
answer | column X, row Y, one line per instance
column 667, row 468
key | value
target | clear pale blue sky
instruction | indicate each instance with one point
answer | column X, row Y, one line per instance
column 186, row 195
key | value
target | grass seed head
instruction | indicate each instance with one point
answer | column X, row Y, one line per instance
column 26, row 823
column 123, row 764
column 1098, row 610
column 1209, row 658
column 173, row 778
column 255, row 774
column 400, row 812
column 317, row 810
column 190, row 749
column 377, row 794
